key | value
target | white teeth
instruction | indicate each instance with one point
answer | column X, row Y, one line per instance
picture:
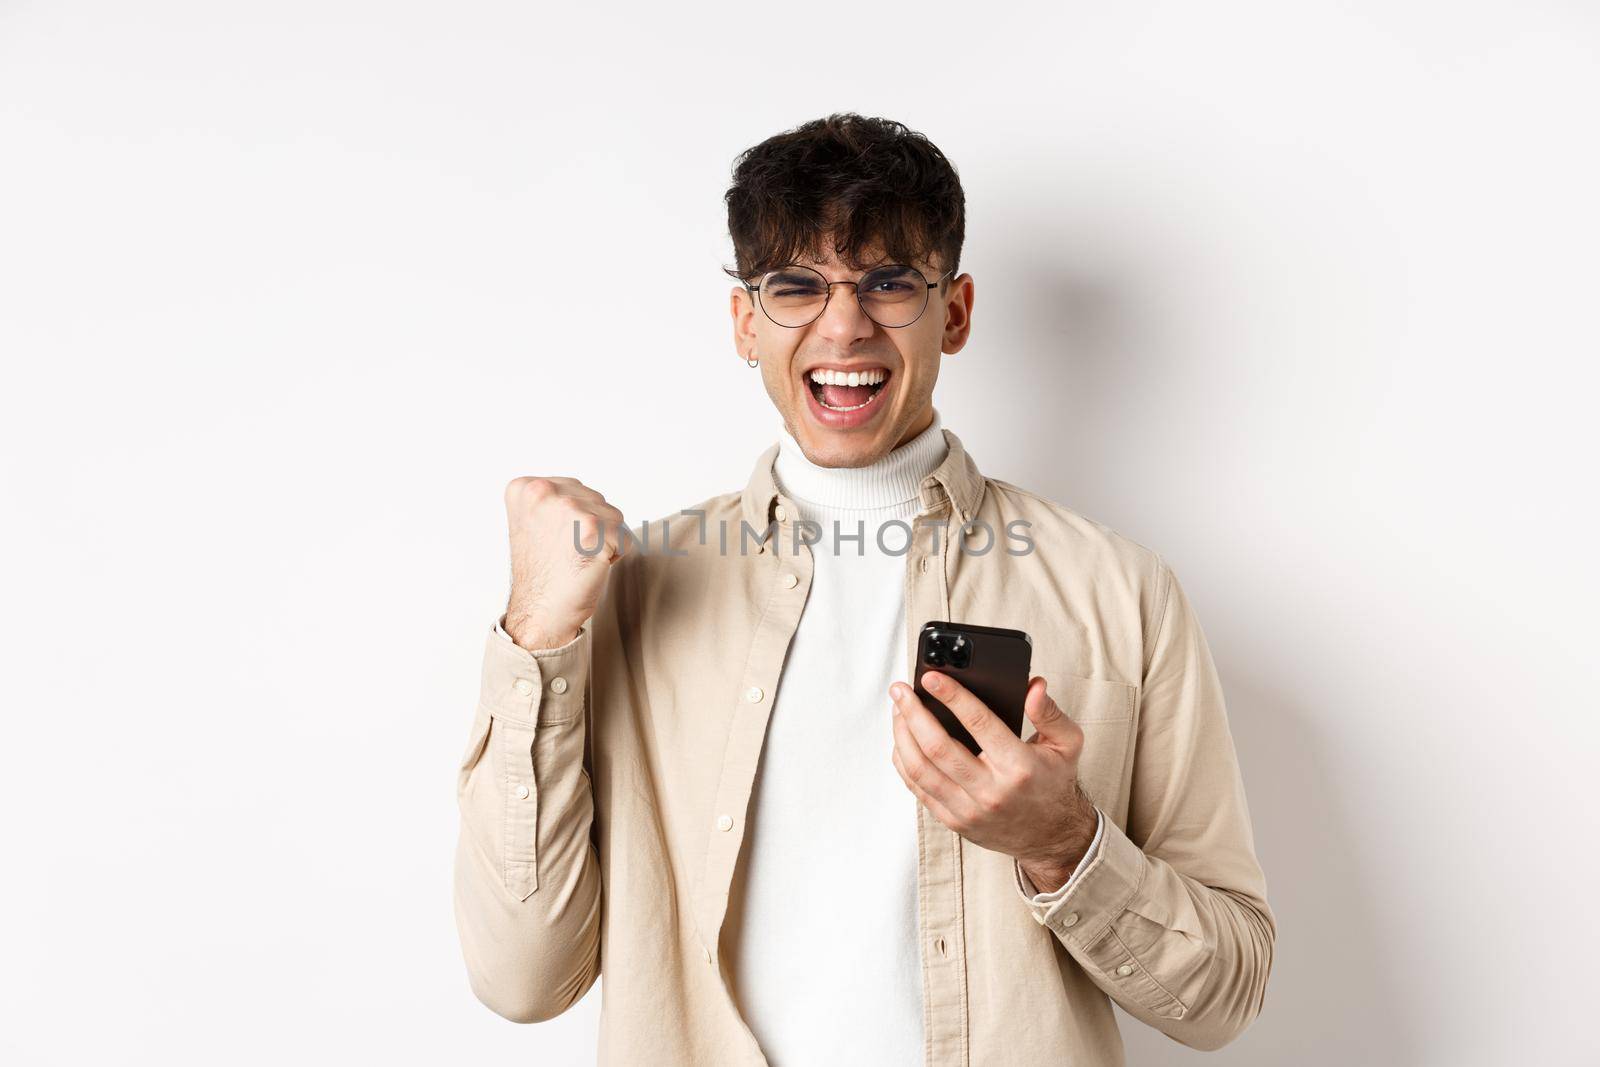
column 839, row 377
column 875, row 376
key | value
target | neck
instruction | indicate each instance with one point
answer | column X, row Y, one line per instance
column 888, row 483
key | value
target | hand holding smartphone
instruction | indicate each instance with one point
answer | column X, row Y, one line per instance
column 991, row 661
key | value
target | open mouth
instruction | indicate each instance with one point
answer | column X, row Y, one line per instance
column 846, row 391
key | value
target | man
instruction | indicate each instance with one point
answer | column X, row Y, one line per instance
column 696, row 762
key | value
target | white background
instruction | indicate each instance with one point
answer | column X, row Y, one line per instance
column 1301, row 295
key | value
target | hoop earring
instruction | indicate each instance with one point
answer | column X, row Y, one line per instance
column 752, row 362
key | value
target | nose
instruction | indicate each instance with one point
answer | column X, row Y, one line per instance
column 843, row 320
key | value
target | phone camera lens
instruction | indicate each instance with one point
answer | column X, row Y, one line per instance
column 936, row 657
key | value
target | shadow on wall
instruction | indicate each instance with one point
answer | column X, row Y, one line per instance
column 1336, row 996
column 1088, row 350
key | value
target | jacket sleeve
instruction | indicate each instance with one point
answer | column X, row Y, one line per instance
column 1169, row 916
column 527, row 876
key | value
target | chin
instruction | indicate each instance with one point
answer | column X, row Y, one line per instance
column 828, row 447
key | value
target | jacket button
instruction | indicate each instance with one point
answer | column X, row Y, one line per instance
column 790, row 581
column 780, row 513
column 724, row 822
column 753, row 694
column 1125, row 970
column 523, row 686
column 1070, row 919
column 558, row 685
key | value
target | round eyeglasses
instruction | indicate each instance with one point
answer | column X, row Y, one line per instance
column 892, row 295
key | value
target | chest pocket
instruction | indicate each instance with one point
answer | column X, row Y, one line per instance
column 1105, row 710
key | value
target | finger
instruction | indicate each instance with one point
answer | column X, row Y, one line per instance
column 955, row 800
column 597, row 521
column 597, row 539
column 928, row 800
column 1052, row 724
column 994, row 737
column 593, row 501
column 934, row 744
column 612, row 521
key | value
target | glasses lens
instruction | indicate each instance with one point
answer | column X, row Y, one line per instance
column 794, row 295
column 893, row 295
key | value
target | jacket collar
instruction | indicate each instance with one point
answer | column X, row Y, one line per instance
column 957, row 479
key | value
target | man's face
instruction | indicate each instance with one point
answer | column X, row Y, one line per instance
column 839, row 425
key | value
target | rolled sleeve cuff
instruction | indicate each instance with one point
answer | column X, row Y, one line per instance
column 1098, row 891
column 546, row 686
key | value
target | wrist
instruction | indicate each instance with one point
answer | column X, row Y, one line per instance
column 535, row 634
column 1046, row 879
column 1050, row 871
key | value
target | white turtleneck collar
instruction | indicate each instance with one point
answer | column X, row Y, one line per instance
column 892, row 484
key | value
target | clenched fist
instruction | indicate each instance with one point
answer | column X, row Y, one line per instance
column 554, row 586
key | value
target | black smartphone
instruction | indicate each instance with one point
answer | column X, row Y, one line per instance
column 991, row 661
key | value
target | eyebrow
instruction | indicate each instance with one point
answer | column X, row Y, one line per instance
column 882, row 261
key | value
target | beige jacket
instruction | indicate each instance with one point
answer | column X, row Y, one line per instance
column 604, row 791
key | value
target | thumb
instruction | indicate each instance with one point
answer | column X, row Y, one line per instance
column 1047, row 717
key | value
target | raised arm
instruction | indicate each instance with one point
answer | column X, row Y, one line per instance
column 527, row 874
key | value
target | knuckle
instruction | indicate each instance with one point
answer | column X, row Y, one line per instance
column 534, row 490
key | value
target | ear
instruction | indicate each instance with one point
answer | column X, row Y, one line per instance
column 743, row 309
column 957, row 313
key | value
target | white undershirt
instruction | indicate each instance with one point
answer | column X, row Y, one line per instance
column 822, row 917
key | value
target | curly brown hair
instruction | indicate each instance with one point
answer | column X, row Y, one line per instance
column 865, row 180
